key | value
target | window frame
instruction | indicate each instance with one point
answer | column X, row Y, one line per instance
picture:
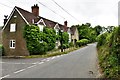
column 13, row 27
column 41, row 29
column 12, row 44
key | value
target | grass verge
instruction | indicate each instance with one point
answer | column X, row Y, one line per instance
column 52, row 54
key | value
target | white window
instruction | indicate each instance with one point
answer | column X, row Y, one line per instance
column 12, row 27
column 57, row 31
column 41, row 27
column 12, row 44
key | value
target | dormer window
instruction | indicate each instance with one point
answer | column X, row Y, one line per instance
column 12, row 27
column 57, row 31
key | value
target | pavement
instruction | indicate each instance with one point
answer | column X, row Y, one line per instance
column 81, row 63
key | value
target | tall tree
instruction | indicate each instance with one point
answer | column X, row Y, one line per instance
column 98, row 29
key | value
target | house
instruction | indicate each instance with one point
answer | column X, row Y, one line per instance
column 74, row 34
column 13, row 42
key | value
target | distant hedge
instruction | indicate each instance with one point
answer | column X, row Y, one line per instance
column 82, row 42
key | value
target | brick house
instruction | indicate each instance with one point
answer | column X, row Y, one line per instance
column 13, row 42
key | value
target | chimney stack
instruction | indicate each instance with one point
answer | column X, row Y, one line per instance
column 6, row 18
column 65, row 26
column 35, row 10
column 65, row 23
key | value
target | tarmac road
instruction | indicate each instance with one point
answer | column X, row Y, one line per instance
column 81, row 63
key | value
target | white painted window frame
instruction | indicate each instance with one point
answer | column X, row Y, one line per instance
column 13, row 27
column 12, row 44
column 41, row 27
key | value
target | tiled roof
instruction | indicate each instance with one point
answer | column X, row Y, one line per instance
column 30, row 16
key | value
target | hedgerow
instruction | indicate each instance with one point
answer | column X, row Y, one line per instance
column 109, row 53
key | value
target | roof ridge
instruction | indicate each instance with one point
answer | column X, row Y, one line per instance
column 23, row 9
column 37, row 16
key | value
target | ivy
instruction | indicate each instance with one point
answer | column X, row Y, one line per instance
column 39, row 42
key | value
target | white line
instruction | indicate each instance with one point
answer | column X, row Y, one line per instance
column 44, row 60
column 41, row 62
column 53, row 58
column 19, row 71
column 31, row 66
column 57, row 56
column 4, row 77
column 35, row 63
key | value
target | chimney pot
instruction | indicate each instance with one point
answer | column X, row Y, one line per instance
column 35, row 10
column 65, row 23
column 6, row 18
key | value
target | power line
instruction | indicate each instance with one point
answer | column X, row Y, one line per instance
column 49, row 8
column 65, row 10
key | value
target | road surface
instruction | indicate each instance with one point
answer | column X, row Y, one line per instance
column 81, row 63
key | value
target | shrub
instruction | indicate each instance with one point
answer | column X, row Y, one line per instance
column 109, row 53
column 82, row 42
column 39, row 42
column 71, row 44
column 101, row 39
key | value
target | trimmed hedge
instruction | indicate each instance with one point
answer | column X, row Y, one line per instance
column 82, row 42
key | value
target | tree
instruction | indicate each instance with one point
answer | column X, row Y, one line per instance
column 98, row 29
column 110, row 29
column 86, row 32
column 64, row 37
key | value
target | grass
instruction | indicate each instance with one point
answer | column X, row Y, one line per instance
column 107, row 64
column 52, row 54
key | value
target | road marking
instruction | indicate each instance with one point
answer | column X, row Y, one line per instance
column 31, row 66
column 41, row 62
column 57, row 56
column 4, row 77
column 19, row 71
column 35, row 63
column 53, row 58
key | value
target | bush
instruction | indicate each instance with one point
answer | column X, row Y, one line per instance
column 71, row 44
column 82, row 42
column 101, row 39
column 39, row 42
column 109, row 53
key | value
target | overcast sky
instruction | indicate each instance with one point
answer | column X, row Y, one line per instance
column 96, row 12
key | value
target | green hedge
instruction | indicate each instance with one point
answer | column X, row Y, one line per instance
column 82, row 42
column 39, row 42
column 109, row 53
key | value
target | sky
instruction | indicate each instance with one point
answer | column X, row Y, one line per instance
column 96, row 12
